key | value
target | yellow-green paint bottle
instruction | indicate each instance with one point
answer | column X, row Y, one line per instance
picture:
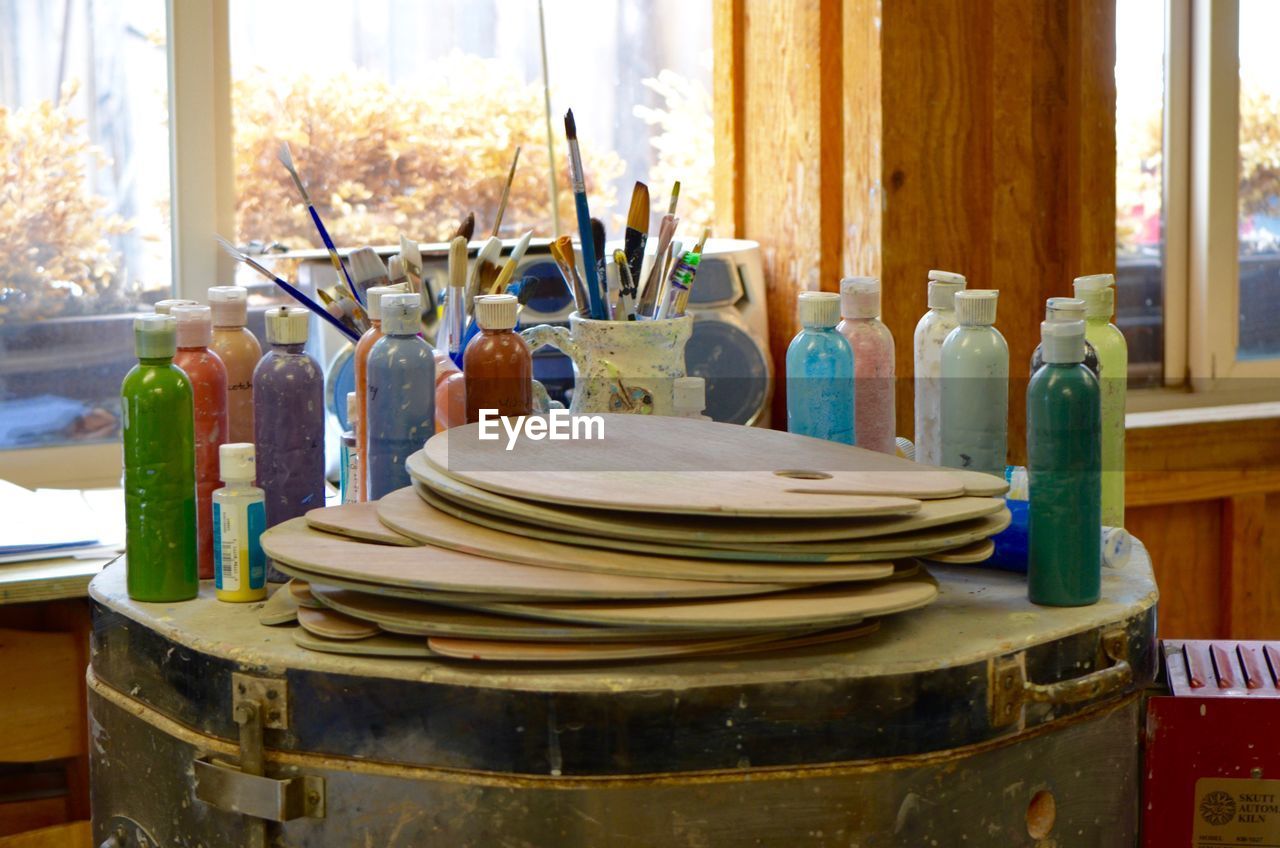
column 159, row 468
column 1098, row 293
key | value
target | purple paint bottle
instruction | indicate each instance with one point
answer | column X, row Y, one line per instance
column 288, row 421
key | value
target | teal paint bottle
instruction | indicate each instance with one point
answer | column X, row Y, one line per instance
column 975, row 387
column 1064, row 469
column 820, row 372
column 159, row 468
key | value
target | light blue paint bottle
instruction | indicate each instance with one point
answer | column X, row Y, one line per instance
column 820, row 372
column 401, row 395
column 975, row 387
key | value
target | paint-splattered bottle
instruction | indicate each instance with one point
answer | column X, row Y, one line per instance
column 159, row 468
column 497, row 365
column 240, row 352
column 1066, row 309
column 820, row 390
column 209, row 385
column 288, row 400
column 373, row 308
column 349, row 456
column 975, row 387
column 239, row 518
column 931, row 332
column 401, row 386
column 872, row 344
column 1098, row 293
column 1064, row 457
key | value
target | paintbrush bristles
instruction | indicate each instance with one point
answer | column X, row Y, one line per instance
column 570, row 128
column 467, row 228
column 638, row 214
column 286, row 158
column 675, row 198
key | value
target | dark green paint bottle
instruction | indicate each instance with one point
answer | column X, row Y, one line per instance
column 1064, row 468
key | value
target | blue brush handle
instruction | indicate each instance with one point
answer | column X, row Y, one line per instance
column 328, row 243
column 590, row 274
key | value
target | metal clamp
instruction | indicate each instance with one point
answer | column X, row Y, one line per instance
column 242, row 787
column 1009, row 690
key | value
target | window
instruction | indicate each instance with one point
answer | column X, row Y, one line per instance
column 84, row 190
column 1198, row 195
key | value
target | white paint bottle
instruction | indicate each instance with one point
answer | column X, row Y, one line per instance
column 931, row 332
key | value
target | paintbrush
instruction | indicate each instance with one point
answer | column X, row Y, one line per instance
column 675, row 198
column 367, row 270
column 509, row 269
column 286, row 159
column 602, row 258
column 506, row 193
column 702, row 242
column 467, row 228
column 627, row 285
column 637, row 234
column 293, row 292
column 484, row 272
column 649, row 290
column 455, row 314
column 595, row 292
column 562, row 252
column 412, row 264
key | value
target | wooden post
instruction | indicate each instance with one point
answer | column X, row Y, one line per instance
column 890, row 138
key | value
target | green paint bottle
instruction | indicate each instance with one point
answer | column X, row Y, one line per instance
column 159, row 468
column 1099, row 295
column 1064, row 464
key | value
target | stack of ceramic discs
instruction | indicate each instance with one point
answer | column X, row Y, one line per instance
column 650, row 537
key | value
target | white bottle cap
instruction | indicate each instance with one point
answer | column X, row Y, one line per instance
column 353, row 410
column 237, row 462
column 1062, row 341
column 287, row 325
column 373, row 300
column 154, row 336
column 165, row 307
column 195, row 325
column 976, row 307
column 1064, row 309
column 689, row 394
column 942, row 295
column 947, row 277
column 401, row 314
column 1098, row 293
column 859, row 297
column 230, row 305
column 496, row 311
column 819, row 309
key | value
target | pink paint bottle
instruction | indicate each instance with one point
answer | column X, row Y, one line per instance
column 872, row 343
column 208, row 378
column 239, row 351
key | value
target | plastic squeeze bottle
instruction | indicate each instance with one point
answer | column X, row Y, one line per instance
column 401, row 400
column 373, row 308
column 239, row 517
column 239, row 351
column 1099, row 295
column 159, row 468
column 288, row 400
column 975, row 387
column 1066, row 309
column 497, row 364
column 689, row 397
column 872, row 343
column 931, row 332
column 208, row 378
column 349, row 456
column 1064, row 463
column 820, row 373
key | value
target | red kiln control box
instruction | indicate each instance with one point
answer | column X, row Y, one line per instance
column 1212, row 757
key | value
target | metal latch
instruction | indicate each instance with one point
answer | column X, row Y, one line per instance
column 242, row 787
column 1008, row 688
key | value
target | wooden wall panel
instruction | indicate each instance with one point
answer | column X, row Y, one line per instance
column 1183, row 542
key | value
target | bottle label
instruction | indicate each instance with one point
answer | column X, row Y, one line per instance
column 236, row 539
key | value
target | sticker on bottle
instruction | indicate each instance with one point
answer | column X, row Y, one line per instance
column 1236, row 811
column 226, row 541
